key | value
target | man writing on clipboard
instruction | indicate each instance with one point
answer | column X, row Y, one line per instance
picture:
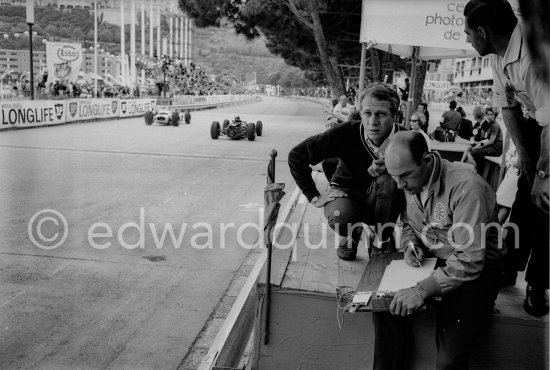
column 448, row 215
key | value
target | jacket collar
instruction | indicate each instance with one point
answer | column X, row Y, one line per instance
column 439, row 171
column 515, row 45
column 374, row 151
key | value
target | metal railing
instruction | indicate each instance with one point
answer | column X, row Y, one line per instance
column 209, row 99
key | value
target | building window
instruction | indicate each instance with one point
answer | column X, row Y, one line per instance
column 485, row 62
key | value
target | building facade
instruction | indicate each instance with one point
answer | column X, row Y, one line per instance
column 16, row 63
column 439, row 80
column 473, row 74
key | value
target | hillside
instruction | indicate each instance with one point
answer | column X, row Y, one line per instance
column 220, row 51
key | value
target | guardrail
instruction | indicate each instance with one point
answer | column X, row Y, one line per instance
column 34, row 113
column 210, row 99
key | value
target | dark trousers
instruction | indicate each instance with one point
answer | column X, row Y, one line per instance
column 532, row 243
column 378, row 205
column 459, row 320
column 479, row 156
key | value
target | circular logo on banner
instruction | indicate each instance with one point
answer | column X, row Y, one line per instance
column 440, row 213
column 67, row 53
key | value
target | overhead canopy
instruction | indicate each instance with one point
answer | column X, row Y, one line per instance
column 435, row 26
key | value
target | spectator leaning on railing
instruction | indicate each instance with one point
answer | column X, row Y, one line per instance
column 493, row 29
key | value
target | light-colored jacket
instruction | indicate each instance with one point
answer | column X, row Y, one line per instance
column 457, row 224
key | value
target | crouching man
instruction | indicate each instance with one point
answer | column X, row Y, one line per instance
column 448, row 214
column 361, row 191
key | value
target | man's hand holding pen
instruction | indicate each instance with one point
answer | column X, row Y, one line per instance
column 413, row 255
column 406, row 301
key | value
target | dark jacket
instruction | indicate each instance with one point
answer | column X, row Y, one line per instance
column 344, row 141
column 465, row 129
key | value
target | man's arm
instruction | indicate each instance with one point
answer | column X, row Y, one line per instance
column 539, row 192
column 513, row 120
column 408, row 235
column 542, row 164
column 310, row 152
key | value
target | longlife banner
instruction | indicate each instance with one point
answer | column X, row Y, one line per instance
column 83, row 109
column 63, row 61
column 32, row 114
column 136, row 107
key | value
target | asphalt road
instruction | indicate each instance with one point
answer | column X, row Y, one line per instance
column 113, row 294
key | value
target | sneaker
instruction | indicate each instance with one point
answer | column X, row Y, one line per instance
column 344, row 252
column 536, row 301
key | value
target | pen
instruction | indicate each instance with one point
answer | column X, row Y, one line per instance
column 415, row 254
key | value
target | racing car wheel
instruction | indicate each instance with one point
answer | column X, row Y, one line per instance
column 175, row 119
column 259, row 128
column 251, row 131
column 148, row 118
column 215, row 130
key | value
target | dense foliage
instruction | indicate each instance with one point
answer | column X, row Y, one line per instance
column 291, row 30
column 58, row 25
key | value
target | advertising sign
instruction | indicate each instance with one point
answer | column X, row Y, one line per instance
column 436, row 26
column 136, row 107
column 437, row 85
column 63, row 61
column 83, row 109
column 32, row 113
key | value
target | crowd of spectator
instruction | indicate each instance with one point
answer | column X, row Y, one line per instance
column 468, row 97
column 173, row 77
column 80, row 89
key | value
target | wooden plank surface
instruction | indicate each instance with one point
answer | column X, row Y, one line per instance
column 460, row 145
column 314, row 265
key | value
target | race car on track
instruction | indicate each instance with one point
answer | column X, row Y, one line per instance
column 167, row 117
column 236, row 129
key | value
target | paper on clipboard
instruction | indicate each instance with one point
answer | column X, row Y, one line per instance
column 399, row 275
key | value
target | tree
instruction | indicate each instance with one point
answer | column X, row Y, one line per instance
column 77, row 33
column 51, row 30
column 293, row 30
column 90, row 36
column 317, row 36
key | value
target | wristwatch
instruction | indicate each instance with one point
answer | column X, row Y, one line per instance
column 542, row 174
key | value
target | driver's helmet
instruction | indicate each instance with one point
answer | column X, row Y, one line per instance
column 237, row 119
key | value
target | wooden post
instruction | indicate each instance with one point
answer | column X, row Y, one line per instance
column 410, row 99
column 362, row 69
